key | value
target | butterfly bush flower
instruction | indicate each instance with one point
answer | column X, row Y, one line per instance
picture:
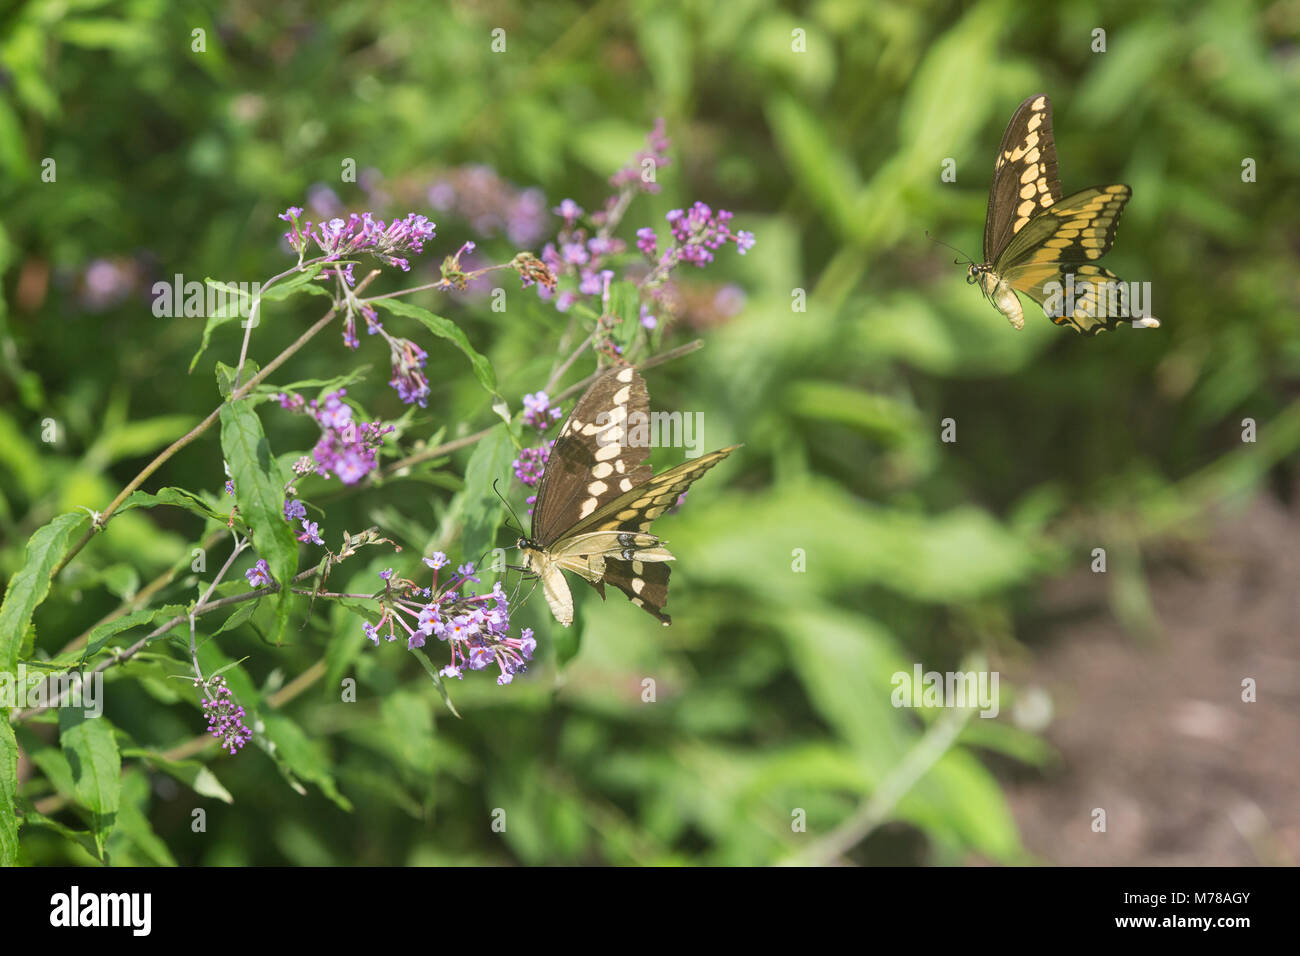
column 259, row 575
column 538, row 411
column 529, row 467
column 585, row 252
column 475, row 627
column 356, row 235
column 225, row 717
column 345, row 448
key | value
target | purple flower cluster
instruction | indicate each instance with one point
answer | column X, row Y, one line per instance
column 345, row 448
column 343, row 238
column 538, row 411
column 225, row 717
column 408, row 371
column 259, row 575
column 474, row 626
column 490, row 204
column 697, row 233
column 529, row 467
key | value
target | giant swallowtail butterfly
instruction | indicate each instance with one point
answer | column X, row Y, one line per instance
column 1037, row 243
column 598, row 497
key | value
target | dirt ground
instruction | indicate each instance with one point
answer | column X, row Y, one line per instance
column 1156, row 733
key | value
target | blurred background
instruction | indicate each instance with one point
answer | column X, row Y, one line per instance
column 1121, row 690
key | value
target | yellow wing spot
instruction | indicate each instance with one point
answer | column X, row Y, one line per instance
column 638, row 567
column 1028, row 191
column 626, row 374
column 625, row 484
column 606, row 452
column 627, row 514
column 588, row 507
column 1046, row 201
column 597, row 488
column 1039, row 104
column 1020, row 224
column 603, row 470
column 1033, row 155
column 1035, row 121
column 1092, row 253
column 621, row 396
column 1030, row 173
column 1026, row 208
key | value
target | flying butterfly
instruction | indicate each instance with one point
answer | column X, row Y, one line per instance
column 1037, row 243
column 598, row 497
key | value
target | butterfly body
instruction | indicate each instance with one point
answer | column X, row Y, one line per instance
column 1044, row 244
column 598, row 497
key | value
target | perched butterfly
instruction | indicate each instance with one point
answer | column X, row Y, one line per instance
column 1037, row 243
column 598, row 497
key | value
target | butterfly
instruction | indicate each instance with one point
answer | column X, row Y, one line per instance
column 1037, row 243
column 598, row 497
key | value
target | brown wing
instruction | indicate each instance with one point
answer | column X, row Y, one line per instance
column 637, row 509
column 1025, row 178
column 586, row 470
column 644, row 582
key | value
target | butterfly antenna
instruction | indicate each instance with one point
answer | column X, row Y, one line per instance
column 964, row 257
column 518, row 525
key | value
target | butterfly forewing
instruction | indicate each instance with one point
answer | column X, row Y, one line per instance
column 590, row 463
column 1025, row 179
column 637, row 509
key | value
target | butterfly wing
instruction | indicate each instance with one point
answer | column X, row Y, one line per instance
column 590, row 464
column 636, row 510
column 644, row 583
column 1025, row 179
column 1060, row 246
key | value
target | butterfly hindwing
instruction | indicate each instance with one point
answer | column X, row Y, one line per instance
column 645, row 584
column 1025, row 179
column 1080, row 228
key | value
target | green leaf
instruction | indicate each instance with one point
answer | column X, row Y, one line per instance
column 8, row 792
column 449, row 330
column 303, row 757
column 178, row 498
column 29, row 587
column 106, row 631
column 226, row 376
column 259, row 490
column 92, row 753
column 298, row 282
column 192, row 773
column 482, row 509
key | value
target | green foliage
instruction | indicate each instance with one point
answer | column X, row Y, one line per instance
column 771, row 691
